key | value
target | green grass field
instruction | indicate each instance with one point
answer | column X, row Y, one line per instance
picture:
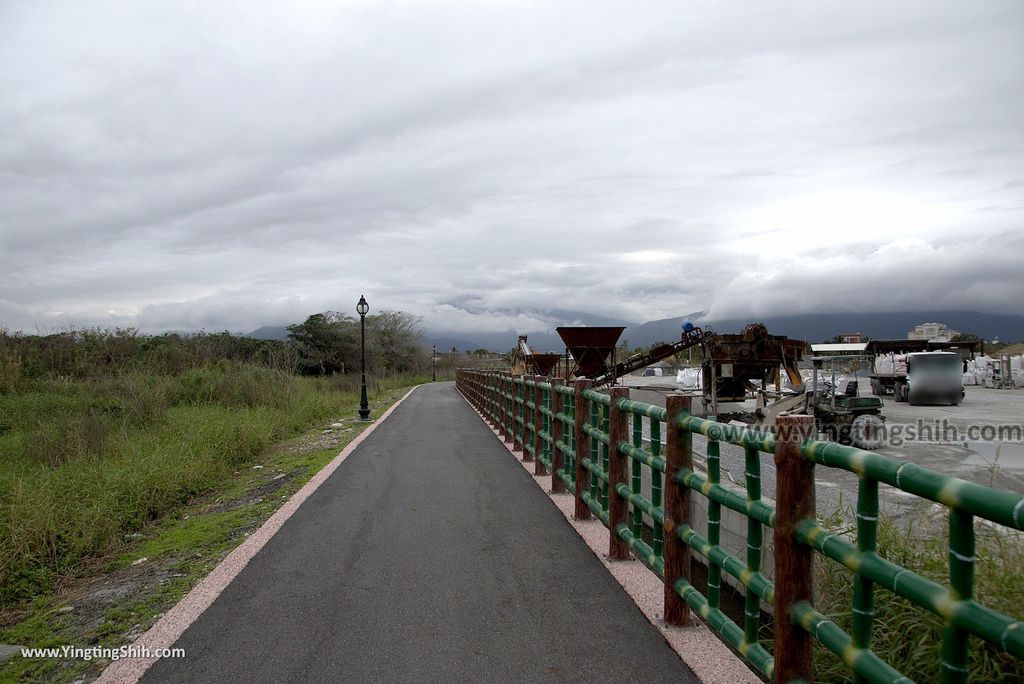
column 85, row 462
column 121, row 488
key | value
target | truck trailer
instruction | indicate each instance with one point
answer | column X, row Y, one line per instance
column 920, row 377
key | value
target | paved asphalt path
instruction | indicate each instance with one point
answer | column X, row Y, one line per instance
column 429, row 555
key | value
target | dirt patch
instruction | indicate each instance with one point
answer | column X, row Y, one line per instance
column 259, row 494
column 324, row 438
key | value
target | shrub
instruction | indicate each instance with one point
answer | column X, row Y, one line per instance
column 54, row 443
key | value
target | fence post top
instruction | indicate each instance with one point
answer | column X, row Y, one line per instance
column 796, row 422
column 583, row 383
column 790, row 431
column 678, row 402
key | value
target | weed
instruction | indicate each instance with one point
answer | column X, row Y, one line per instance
column 909, row 637
column 180, row 547
column 87, row 461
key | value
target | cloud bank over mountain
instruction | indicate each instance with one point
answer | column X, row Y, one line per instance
column 227, row 165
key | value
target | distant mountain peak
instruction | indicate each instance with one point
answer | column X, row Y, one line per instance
column 810, row 327
column 269, row 332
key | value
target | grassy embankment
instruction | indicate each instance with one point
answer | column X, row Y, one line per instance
column 98, row 472
column 908, row 637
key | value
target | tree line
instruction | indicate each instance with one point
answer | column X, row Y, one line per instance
column 325, row 344
column 329, row 342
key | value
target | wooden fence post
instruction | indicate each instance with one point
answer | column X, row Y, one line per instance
column 678, row 455
column 538, row 466
column 512, row 410
column 488, row 395
column 581, row 509
column 618, row 471
column 500, row 406
column 484, row 393
column 557, row 435
column 506, row 402
column 519, row 412
column 492, row 409
column 794, row 562
column 534, row 417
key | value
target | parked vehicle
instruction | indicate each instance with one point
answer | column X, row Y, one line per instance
column 844, row 416
column 920, row 377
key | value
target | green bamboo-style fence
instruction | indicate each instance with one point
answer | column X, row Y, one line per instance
column 594, row 445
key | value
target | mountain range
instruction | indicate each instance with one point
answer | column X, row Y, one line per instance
column 810, row 327
column 822, row 327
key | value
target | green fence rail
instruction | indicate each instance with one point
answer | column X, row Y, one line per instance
column 600, row 445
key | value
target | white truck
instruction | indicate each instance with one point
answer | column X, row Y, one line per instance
column 920, row 377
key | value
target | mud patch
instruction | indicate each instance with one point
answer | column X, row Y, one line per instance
column 260, row 493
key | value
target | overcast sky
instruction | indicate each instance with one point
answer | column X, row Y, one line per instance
column 218, row 165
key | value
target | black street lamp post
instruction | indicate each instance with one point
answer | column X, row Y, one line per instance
column 433, row 364
column 364, row 406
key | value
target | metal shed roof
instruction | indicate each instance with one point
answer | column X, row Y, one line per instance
column 844, row 348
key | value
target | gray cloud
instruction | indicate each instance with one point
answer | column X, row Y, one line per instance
column 228, row 166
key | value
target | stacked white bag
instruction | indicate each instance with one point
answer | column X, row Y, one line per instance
column 690, row 378
column 891, row 364
column 982, row 369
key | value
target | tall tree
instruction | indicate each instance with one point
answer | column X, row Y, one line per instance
column 395, row 342
column 326, row 343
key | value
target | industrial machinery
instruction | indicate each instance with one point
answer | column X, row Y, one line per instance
column 736, row 364
column 590, row 351
column 733, row 368
column 691, row 337
column 733, row 365
column 527, row 361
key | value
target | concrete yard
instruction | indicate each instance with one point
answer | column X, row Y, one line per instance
column 997, row 464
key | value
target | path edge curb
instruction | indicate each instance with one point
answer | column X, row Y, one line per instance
column 697, row 646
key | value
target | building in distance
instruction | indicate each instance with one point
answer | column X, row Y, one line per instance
column 933, row 332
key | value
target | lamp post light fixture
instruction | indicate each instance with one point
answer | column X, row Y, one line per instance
column 364, row 406
column 433, row 364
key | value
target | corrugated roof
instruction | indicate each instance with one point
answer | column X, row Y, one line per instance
column 839, row 348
